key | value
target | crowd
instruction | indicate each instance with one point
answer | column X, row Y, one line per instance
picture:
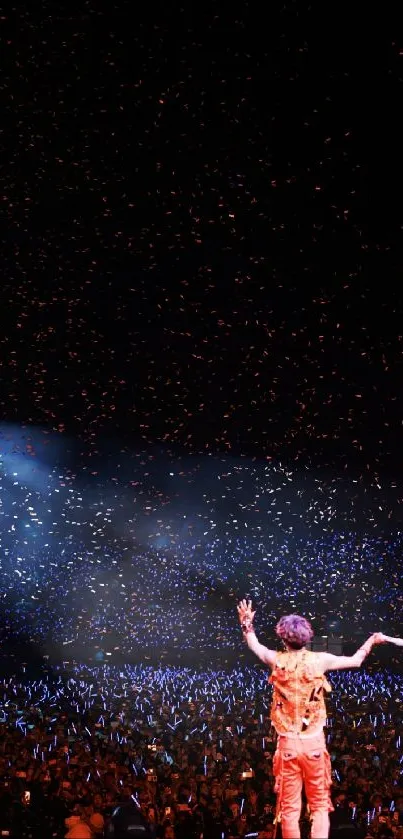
column 187, row 750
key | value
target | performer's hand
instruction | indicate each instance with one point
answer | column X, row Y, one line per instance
column 379, row 638
column 245, row 611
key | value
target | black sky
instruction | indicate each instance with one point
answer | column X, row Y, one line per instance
column 202, row 237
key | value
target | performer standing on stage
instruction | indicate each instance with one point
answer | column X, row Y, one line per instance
column 298, row 714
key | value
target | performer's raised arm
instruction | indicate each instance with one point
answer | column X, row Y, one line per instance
column 345, row 662
column 246, row 616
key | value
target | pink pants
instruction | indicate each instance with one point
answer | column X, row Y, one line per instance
column 303, row 762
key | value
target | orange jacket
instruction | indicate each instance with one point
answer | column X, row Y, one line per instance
column 298, row 705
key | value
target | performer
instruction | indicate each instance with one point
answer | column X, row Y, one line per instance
column 298, row 714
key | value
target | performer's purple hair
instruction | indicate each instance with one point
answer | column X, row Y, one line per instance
column 294, row 630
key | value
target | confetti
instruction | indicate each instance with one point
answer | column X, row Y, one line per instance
column 161, row 565
column 200, row 381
